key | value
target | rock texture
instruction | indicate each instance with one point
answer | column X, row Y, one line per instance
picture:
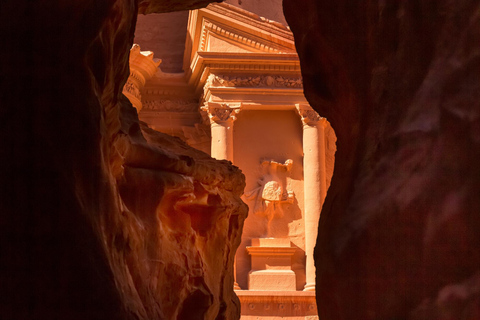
column 164, row 34
column 399, row 82
column 268, row 9
column 102, row 218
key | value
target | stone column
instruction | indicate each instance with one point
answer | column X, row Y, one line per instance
column 314, row 182
column 221, row 116
column 235, row 283
column 142, row 68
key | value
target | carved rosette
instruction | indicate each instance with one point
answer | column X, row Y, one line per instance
column 221, row 112
column 309, row 116
column 142, row 68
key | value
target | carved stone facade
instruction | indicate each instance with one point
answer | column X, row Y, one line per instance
column 241, row 99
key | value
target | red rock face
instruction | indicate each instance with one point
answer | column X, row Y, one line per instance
column 101, row 218
column 398, row 81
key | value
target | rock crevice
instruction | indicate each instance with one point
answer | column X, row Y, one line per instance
column 103, row 218
column 397, row 229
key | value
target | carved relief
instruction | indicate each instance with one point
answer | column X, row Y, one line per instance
column 308, row 115
column 221, row 114
column 209, row 82
column 132, row 89
column 171, row 105
column 271, row 192
column 221, row 111
column 254, row 81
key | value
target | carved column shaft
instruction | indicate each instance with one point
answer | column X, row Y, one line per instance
column 222, row 139
column 221, row 123
column 314, row 183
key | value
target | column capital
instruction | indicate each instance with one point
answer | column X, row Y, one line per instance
column 309, row 116
column 142, row 67
column 222, row 112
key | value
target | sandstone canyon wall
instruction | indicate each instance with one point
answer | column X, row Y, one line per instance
column 101, row 217
column 399, row 82
column 164, row 34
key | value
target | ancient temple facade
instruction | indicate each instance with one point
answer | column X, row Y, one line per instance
column 240, row 98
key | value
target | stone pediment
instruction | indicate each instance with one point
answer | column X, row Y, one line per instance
column 225, row 28
column 219, row 37
column 224, row 38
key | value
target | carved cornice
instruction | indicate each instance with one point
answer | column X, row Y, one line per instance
column 308, row 115
column 264, row 46
column 258, row 62
column 221, row 112
column 239, row 37
column 254, row 81
column 251, row 18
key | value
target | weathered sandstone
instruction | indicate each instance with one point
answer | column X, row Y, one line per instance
column 399, row 82
column 102, row 218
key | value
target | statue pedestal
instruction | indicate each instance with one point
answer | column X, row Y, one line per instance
column 271, row 265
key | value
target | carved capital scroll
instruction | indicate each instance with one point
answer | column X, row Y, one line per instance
column 309, row 116
column 221, row 112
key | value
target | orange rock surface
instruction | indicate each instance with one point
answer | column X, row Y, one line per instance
column 398, row 81
column 102, row 218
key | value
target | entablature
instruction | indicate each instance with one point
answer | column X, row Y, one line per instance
column 239, row 64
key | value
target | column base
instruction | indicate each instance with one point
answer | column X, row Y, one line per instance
column 309, row 287
column 236, row 286
column 271, row 280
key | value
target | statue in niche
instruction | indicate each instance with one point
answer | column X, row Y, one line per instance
column 271, row 192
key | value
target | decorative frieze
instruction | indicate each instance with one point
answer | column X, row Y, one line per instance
column 165, row 105
column 254, row 81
